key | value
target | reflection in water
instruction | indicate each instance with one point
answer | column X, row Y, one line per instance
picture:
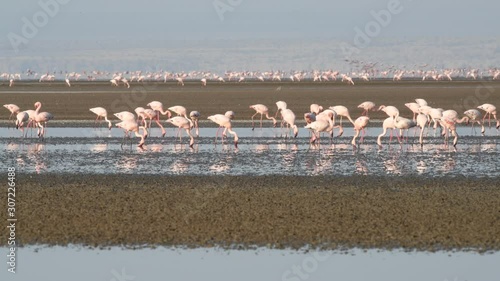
column 127, row 163
column 99, row 147
column 179, row 166
column 259, row 148
column 255, row 156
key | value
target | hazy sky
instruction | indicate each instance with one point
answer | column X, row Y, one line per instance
column 198, row 19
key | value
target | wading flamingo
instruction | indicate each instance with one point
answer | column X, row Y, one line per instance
column 261, row 109
column 289, row 118
column 154, row 115
column 315, row 108
column 342, row 111
column 158, row 106
column 101, row 113
column 41, row 118
column 402, row 123
column 390, row 110
column 183, row 123
column 490, row 110
column 21, row 119
column 421, row 102
column 195, row 115
column 14, row 109
column 421, row 122
column 414, row 107
column 359, row 125
column 475, row 117
column 131, row 126
column 224, row 121
column 318, row 126
column 367, row 106
column 387, row 124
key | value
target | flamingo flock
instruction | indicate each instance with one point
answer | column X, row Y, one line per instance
column 361, row 71
column 318, row 120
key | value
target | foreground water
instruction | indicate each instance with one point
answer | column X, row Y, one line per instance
column 260, row 152
column 116, row 264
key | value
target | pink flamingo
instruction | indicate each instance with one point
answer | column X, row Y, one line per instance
column 387, row 124
column 359, row 125
column 318, row 126
column 490, row 110
column 101, row 113
column 140, row 115
column 403, row 124
column 421, row 102
column 14, row 109
column 195, row 115
column 281, row 106
column 343, row 112
column 261, row 109
column 289, row 117
column 184, row 123
column 41, row 118
column 414, row 107
column 158, row 106
column 224, row 121
column 125, row 116
column 131, row 126
column 367, row 106
column 154, row 115
column 315, row 108
column 21, row 118
column 179, row 110
column 390, row 110
column 475, row 117
column 421, row 122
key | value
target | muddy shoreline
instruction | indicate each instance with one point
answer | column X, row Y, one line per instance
column 274, row 211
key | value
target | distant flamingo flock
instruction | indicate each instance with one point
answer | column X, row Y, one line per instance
column 318, row 120
column 366, row 71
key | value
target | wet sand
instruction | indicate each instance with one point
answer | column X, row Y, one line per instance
column 74, row 103
column 274, row 211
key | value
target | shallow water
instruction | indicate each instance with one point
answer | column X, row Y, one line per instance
column 260, row 152
column 73, row 263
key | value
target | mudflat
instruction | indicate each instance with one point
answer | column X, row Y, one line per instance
column 242, row 211
column 73, row 103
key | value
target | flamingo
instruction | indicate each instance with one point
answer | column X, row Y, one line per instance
column 289, row 117
column 328, row 114
column 131, row 126
column 140, row 115
column 154, row 115
column 158, row 106
column 450, row 125
column 318, row 126
column 475, row 116
column 41, row 118
column 414, row 107
column 101, row 113
column 21, row 118
column 421, row 102
column 490, row 110
column 180, row 81
column 14, row 109
column 67, row 82
column 359, row 125
column 184, row 123
column 403, row 124
column 343, row 112
column 195, row 115
column 11, row 82
column 366, row 106
column 125, row 116
column 261, row 109
column 390, row 110
column 387, row 124
column 421, row 122
column 281, row 106
column 114, row 82
column 203, row 82
column 179, row 110
column 224, row 121
column 315, row 108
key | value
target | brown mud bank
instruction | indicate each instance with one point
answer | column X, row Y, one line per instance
column 274, row 211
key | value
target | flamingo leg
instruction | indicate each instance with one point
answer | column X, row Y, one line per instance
column 253, row 126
